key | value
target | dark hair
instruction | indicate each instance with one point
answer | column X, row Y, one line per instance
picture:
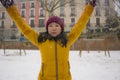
column 62, row 37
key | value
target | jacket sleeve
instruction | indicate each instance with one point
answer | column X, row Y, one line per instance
column 28, row 32
column 80, row 25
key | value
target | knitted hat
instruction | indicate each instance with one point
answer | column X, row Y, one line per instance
column 55, row 19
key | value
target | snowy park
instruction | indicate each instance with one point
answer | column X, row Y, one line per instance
column 92, row 26
column 91, row 66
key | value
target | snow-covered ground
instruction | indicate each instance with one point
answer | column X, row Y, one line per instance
column 91, row 66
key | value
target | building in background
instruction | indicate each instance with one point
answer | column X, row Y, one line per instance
column 36, row 16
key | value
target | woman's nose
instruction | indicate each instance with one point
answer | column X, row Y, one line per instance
column 54, row 28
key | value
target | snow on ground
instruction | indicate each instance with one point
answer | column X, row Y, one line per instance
column 91, row 66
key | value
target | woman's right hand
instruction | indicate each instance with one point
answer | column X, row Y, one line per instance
column 7, row 3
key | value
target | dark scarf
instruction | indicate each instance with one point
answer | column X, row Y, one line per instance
column 62, row 37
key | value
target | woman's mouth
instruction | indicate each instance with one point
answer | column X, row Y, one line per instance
column 53, row 32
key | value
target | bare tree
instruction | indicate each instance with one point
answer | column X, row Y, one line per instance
column 51, row 5
column 117, row 3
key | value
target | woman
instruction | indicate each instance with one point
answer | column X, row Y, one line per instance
column 54, row 44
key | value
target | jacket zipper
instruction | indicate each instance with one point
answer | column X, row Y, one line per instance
column 56, row 60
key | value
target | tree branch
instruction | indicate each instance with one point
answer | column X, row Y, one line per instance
column 62, row 4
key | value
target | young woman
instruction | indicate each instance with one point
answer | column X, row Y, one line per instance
column 54, row 44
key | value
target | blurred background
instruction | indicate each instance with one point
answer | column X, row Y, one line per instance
column 102, row 31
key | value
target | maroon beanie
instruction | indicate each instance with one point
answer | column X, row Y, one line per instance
column 55, row 19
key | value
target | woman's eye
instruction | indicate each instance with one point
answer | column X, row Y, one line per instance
column 50, row 25
column 57, row 25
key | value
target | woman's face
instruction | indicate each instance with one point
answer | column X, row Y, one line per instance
column 54, row 29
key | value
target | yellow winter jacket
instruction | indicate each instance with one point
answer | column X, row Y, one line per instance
column 55, row 58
